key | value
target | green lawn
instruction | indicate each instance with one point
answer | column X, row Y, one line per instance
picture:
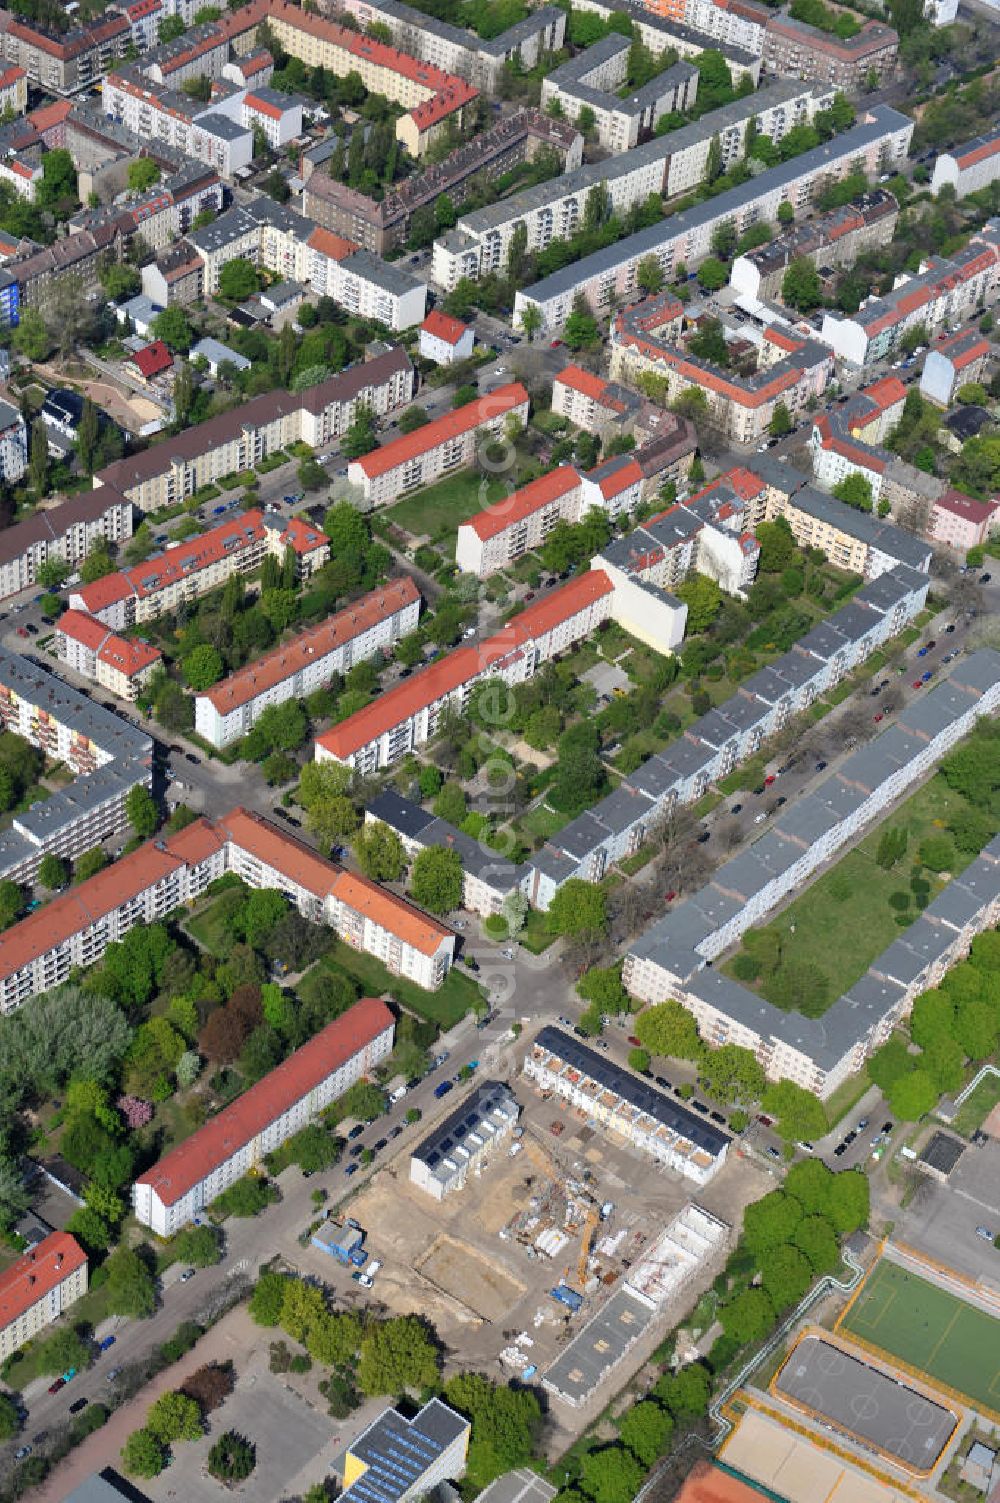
column 209, row 927
column 438, row 510
column 444, row 1007
column 975, row 1108
column 930, row 1330
column 541, row 822
column 536, row 935
column 852, row 899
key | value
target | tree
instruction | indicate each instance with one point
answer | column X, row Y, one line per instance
column 603, row 989
column 52, row 572
column 646, row 1430
column 210, row 1385
column 412, row 419
column 313, row 1149
column 379, row 852
column 130, row 1286
column 360, row 437
column 238, row 279
column 11, row 902
column 436, row 879
column 712, row 274
column 396, row 1356
column 786, row 213
column 686, row 1393
column 814, row 1236
column 748, row 1317
column 31, row 337
column 233, row 1457
column 198, row 1245
column 855, row 490
column 580, row 330
column 531, row 320
column 142, row 174
column 800, row 1114
column 649, row 275
column 505, row 1423
column 669, row 1029
column 891, row 847
column 703, row 597
column 733, row 1074
column 267, row 1300
column 800, row 286
column 786, row 1275
column 174, row 1416
column 611, row 1475
column 142, row 1454
column 770, row 1221
column 937, row 853
column 578, row 908
column 38, row 459
column 173, row 327
column 202, row 667
column 334, row 1339
column 912, row 1096
column 638, row 1060
column 143, row 815
column 781, row 422
column 52, row 872
column 246, row 1198
column 10, row 1419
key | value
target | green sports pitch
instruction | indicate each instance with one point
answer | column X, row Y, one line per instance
column 929, row 1330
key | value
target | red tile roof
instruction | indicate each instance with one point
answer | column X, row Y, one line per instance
column 263, row 106
column 190, row 1162
column 331, row 245
column 274, row 667
column 451, row 425
column 82, row 628
column 619, row 478
column 884, row 393
column 128, row 655
column 988, row 146
column 153, row 359
column 443, row 326
column 587, row 384
column 966, row 507
column 534, row 496
column 35, row 1274
column 394, row 914
column 462, row 665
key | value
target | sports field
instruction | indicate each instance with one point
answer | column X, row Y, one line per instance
column 927, row 1328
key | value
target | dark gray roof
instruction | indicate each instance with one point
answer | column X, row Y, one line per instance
column 473, row 1116
column 398, row 1452
column 635, row 1090
column 677, row 226
column 401, row 814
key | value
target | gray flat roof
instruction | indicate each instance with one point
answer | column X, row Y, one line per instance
column 372, row 268
column 519, row 1486
column 598, row 1347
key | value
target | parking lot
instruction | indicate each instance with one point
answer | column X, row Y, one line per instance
column 941, row 1220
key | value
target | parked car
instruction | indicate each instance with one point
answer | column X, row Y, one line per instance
column 443, row 1088
column 351, row 1169
column 108, row 1341
column 22, row 1452
column 187, row 1274
column 55, row 1387
column 77, row 1405
column 985, row 1233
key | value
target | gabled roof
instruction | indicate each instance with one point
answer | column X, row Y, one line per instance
column 443, row 326
column 494, row 404
column 153, row 360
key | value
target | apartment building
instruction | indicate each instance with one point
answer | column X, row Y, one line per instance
column 240, row 439
column 448, row 443
column 969, row 168
column 372, row 625
column 836, row 238
column 510, row 527
column 69, row 62
column 380, row 225
column 406, row 1459
column 666, row 166
column 594, row 79
column 279, row 116
column 852, row 539
column 954, row 360
column 455, row 50
column 846, row 439
column 108, row 756
column 167, row 580
column 627, row 1105
column 506, row 530
column 466, row 1141
column 961, row 522
column 944, row 290
column 233, row 1143
column 122, row 665
column 794, row 49
column 741, row 23
column 617, row 825
column 444, row 339
column 792, row 371
column 143, row 886
column 673, row 959
column 881, row 136
column 176, row 278
column 363, row 283
column 488, row 877
column 660, row 32
column 159, row 112
column 407, row 715
column 66, row 532
column 201, row 52
column 27, row 277
column 162, row 213
column 431, row 97
column 13, row 90
column 37, row 1287
column 13, row 444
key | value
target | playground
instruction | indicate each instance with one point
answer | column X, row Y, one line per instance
column 929, row 1330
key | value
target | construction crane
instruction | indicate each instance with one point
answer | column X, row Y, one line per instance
column 593, row 1217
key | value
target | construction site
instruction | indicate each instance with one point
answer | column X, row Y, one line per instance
column 545, row 1236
